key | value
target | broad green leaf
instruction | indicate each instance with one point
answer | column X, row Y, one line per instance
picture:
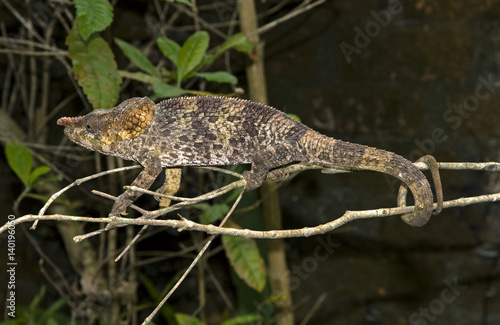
column 20, row 160
column 165, row 90
column 245, row 259
column 139, row 76
column 191, row 54
column 169, row 48
column 243, row 319
column 184, row 319
column 137, row 57
column 219, row 76
column 36, row 173
column 95, row 68
column 212, row 212
column 238, row 41
column 93, row 16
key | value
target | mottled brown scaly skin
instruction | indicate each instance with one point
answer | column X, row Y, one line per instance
column 203, row 131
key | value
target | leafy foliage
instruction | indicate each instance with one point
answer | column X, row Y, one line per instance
column 211, row 212
column 137, row 57
column 34, row 314
column 191, row 54
column 245, row 258
column 190, row 59
column 20, row 161
column 96, row 71
column 167, row 311
column 95, row 68
column 93, row 16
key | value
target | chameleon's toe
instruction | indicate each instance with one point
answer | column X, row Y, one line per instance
column 252, row 181
column 278, row 175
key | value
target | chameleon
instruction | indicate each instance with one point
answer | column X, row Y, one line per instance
column 212, row 130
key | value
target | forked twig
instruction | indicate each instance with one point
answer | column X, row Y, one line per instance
column 148, row 217
column 186, row 224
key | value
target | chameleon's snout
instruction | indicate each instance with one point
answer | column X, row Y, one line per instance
column 67, row 121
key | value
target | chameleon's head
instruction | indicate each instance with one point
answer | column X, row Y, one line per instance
column 103, row 130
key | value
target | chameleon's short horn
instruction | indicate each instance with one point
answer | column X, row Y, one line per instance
column 67, row 121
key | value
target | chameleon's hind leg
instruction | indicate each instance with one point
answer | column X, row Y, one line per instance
column 263, row 161
column 170, row 186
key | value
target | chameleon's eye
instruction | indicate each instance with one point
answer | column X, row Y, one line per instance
column 92, row 124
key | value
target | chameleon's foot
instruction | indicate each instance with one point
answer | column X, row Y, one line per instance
column 119, row 208
column 253, row 182
column 278, row 175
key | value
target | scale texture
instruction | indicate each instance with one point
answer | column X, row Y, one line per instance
column 205, row 131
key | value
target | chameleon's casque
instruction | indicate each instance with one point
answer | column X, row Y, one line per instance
column 203, row 131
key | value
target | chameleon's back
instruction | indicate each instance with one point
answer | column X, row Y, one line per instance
column 219, row 131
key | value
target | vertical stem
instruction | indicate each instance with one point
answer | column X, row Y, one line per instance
column 255, row 71
column 270, row 206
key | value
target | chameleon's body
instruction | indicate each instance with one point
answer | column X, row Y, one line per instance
column 203, row 131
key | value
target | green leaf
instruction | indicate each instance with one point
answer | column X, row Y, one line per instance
column 184, row 319
column 139, row 76
column 212, row 212
column 95, row 68
column 167, row 310
column 137, row 57
column 93, row 16
column 50, row 312
column 20, row 160
column 191, row 54
column 36, row 300
column 36, row 173
column 295, row 117
column 238, row 41
column 169, row 48
column 164, row 90
column 245, row 259
column 219, row 76
column 243, row 319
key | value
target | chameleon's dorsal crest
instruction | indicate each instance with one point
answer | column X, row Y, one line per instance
column 138, row 116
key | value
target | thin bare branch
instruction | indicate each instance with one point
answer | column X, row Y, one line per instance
column 75, row 183
column 298, row 11
column 185, row 224
column 148, row 217
column 195, row 261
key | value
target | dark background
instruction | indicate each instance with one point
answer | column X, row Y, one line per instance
column 410, row 88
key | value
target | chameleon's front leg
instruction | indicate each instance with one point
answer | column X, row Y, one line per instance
column 144, row 180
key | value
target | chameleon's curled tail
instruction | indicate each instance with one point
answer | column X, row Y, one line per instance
column 322, row 149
